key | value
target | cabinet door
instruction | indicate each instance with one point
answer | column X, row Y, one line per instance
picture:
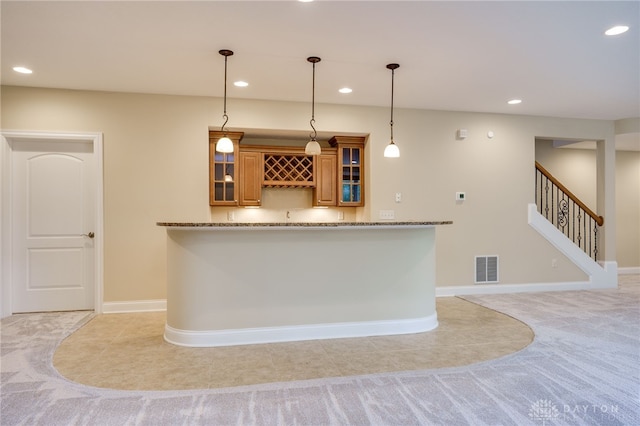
column 324, row 194
column 350, row 175
column 222, row 171
column 250, row 167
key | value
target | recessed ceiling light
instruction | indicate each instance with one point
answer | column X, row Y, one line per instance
column 240, row 84
column 22, row 70
column 305, row 1
column 345, row 90
column 618, row 29
column 514, row 101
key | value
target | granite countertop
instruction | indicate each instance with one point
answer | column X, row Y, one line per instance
column 300, row 224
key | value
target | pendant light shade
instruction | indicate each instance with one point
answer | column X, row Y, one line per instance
column 313, row 147
column 225, row 144
column 392, row 150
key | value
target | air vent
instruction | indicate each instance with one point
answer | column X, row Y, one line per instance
column 486, row 269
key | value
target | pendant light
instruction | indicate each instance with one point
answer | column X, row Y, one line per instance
column 225, row 144
column 392, row 151
column 313, row 147
column 227, row 175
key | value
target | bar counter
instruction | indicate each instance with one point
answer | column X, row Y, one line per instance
column 244, row 283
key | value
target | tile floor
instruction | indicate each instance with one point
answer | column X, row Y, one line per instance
column 127, row 351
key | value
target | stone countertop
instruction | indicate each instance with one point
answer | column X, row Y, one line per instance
column 302, row 224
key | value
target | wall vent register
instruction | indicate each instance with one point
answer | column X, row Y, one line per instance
column 486, row 269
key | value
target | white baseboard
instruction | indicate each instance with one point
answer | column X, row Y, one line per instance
column 134, row 306
column 629, row 271
column 248, row 336
column 607, row 278
column 467, row 290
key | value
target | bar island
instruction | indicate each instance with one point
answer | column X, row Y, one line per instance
column 246, row 283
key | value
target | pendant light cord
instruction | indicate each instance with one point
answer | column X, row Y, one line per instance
column 391, row 122
column 313, row 104
column 393, row 68
column 313, row 60
column 226, row 53
column 224, row 115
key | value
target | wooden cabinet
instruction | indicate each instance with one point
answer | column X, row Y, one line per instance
column 250, row 179
column 237, row 178
column 350, row 170
column 223, row 172
column 325, row 192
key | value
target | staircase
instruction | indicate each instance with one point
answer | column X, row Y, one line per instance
column 567, row 213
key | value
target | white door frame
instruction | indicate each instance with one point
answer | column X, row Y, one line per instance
column 6, row 152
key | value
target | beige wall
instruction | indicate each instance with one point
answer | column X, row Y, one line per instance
column 576, row 169
column 155, row 169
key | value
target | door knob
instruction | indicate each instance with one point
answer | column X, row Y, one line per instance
column 90, row 235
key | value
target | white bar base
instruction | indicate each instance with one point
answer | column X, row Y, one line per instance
column 258, row 286
column 250, row 336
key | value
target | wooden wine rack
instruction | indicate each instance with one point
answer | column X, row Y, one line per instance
column 288, row 170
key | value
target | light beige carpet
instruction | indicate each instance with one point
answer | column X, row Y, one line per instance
column 583, row 368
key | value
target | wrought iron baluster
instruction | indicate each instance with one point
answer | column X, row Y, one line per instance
column 546, row 193
column 563, row 213
column 573, row 223
column 553, row 203
column 595, row 240
column 584, row 233
column 590, row 238
column 535, row 194
column 579, row 239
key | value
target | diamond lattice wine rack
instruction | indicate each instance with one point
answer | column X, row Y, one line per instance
column 284, row 170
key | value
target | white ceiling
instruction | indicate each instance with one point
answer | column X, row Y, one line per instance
column 460, row 56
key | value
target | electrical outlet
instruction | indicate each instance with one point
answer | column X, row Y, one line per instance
column 231, row 216
column 340, row 215
column 387, row 214
column 554, row 263
column 398, row 197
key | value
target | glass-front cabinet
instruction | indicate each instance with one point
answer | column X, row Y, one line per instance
column 350, row 170
column 223, row 187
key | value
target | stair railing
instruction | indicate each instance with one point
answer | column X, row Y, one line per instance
column 564, row 210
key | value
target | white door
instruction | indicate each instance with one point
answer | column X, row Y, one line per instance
column 52, row 203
